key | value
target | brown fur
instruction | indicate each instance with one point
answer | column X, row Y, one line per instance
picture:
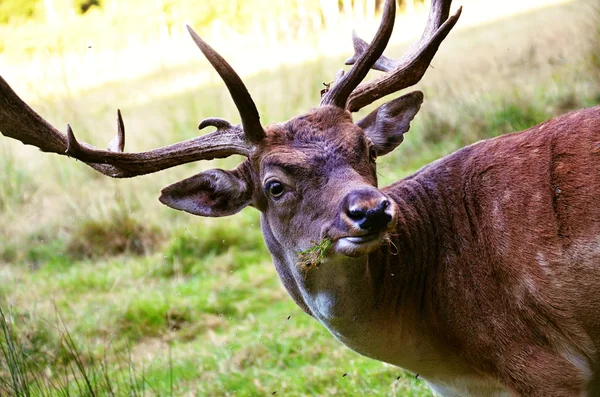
column 506, row 239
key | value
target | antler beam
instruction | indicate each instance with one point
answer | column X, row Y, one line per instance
column 19, row 121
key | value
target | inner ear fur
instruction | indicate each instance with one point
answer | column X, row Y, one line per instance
column 211, row 193
column 386, row 125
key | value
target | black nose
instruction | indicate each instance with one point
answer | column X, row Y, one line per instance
column 367, row 208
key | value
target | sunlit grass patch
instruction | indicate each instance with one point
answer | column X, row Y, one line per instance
column 212, row 249
column 79, row 279
column 153, row 315
column 284, row 352
column 180, row 309
column 289, row 355
column 46, row 246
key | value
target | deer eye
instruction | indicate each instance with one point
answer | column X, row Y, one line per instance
column 373, row 153
column 274, row 188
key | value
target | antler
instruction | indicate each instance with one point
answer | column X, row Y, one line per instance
column 410, row 68
column 343, row 87
column 246, row 107
column 19, row 121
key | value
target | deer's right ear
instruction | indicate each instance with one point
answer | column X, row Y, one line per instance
column 386, row 125
column 211, row 193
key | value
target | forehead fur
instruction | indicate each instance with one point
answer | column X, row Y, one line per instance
column 325, row 132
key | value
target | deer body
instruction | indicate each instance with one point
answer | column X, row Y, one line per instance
column 487, row 255
column 480, row 272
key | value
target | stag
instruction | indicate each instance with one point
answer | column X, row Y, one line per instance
column 480, row 272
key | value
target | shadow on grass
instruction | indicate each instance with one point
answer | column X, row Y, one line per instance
column 117, row 233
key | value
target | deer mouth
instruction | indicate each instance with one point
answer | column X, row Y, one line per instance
column 364, row 244
column 365, row 238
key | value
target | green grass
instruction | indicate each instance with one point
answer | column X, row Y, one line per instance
column 313, row 257
column 156, row 302
column 46, row 361
column 194, row 250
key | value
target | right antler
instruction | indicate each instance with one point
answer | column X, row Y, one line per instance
column 401, row 73
column 342, row 89
column 19, row 121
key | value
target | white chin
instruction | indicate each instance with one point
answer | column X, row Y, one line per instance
column 353, row 246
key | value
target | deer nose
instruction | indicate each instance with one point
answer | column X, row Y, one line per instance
column 368, row 209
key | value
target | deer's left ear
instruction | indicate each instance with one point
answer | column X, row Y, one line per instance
column 211, row 193
column 386, row 125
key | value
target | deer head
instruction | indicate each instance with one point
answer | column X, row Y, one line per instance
column 312, row 177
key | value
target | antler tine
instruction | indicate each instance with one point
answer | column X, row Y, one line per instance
column 410, row 68
column 19, row 121
column 383, row 64
column 237, row 89
column 438, row 14
column 118, row 142
column 338, row 95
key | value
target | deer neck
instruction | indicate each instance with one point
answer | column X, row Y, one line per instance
column 372, row 299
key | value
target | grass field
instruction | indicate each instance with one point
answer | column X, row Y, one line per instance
column 104, row 291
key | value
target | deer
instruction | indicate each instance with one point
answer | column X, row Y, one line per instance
column 480, row 272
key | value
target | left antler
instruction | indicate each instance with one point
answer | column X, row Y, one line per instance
column 19, row 121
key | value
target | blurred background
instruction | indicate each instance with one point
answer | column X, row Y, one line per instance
column 104, row 291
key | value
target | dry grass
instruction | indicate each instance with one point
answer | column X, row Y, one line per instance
column 120, row 234
column 314, row 256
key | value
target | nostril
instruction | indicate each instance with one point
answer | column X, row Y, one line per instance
column 356, row 214
column 386, row 218
column 377, row 218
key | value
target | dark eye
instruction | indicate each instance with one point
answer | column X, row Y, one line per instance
column 373, row 153
column 275, row 188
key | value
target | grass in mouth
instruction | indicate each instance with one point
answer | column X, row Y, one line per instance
column 312, row 257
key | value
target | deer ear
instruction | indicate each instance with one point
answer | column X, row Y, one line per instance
column 386, row 125
column 211, row 193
